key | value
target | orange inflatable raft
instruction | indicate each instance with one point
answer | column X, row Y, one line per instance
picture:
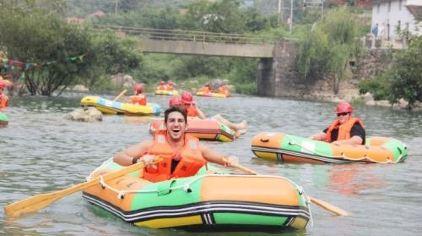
column 205, row 129
column 291, row 148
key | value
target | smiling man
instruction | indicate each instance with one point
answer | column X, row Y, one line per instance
column 182, row 154
column 345, row 129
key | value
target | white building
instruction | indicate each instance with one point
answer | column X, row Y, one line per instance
column 392, row 17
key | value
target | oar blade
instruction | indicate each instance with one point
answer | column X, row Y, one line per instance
column 31, row 204
column 37, row 202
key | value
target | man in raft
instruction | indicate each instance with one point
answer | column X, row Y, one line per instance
column 346, row 129
column 138, row 98
column 4, row 100
column 182, row 153
column 193, row 111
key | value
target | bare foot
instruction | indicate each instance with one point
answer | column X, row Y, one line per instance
column 240, row 132
column 243, row 124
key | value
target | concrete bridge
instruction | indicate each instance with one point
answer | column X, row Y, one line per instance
column 275, row 57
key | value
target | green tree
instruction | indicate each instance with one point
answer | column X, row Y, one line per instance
column 220, row 16
column 109, row 55
column 406, row 74
column 39, row 36
column 330, row 44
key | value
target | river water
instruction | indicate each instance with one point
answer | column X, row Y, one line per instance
column 40, row 151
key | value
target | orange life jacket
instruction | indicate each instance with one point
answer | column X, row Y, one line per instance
column 343, row 130
column 169, row 87
column 192, row 111
column 191, row 159
column 140, row 99
column 205, row 90
column 4, row 101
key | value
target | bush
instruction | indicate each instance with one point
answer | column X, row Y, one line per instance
column 406, row 74
column 378, row 87
column 328, row 46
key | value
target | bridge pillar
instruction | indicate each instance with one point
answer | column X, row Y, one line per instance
column 264, row 78
column 276, row 75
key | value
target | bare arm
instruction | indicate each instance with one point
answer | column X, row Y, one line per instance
column 125, row 157
column 200, row 114
column 213, row 156
column 320, row 136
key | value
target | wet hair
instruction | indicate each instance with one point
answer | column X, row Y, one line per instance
column 179, row 109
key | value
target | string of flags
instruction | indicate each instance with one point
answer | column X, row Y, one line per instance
column 8, row 63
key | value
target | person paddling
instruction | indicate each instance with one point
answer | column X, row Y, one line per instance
column 138, row 98
column 346, row 129
column 182, row 153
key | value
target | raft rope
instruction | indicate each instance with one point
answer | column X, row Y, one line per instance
column 308, row 204
column 187, row 186
column 365, row 157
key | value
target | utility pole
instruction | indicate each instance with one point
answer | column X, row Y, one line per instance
column 116, row 6
column 280, row 11
column 291, row 16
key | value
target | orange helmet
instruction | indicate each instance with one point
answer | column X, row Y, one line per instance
column 138, row 88
column 344, row 107
column 187, row 98
column 175, row 101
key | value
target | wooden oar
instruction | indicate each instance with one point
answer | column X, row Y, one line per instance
column 120, row 94
column 37, row 202
column 329, row 207
column 323, row 204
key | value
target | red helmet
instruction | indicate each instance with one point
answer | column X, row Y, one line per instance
column 2, row 85
column 171, row 82
column 344, row 107
column 162, row 82
column 138, row 88
column 175, row 101
column 187, row 98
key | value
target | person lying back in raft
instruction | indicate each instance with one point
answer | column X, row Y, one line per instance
column 4, row 100
column 345, row 129
column 182, row 153
column 138, row 98
column 193, row 111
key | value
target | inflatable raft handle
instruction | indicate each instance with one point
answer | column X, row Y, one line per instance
column 264, row 140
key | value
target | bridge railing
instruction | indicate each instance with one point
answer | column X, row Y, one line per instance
column 187, row 35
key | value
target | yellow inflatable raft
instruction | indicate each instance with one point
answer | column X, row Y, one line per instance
column 119, row 108
column 166, row 92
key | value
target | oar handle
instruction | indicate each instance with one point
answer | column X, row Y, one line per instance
column 245, row 169
column 240, row 167
column 120, row 94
